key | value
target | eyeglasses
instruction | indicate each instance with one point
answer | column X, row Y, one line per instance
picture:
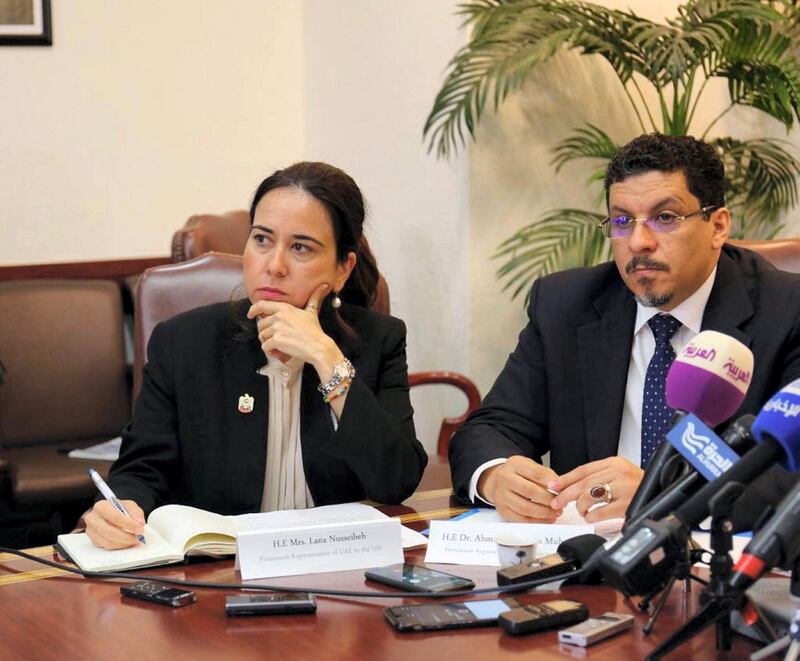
column 621, row 227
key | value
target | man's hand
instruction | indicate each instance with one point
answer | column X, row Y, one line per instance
column 518, row 490
column 620, row 474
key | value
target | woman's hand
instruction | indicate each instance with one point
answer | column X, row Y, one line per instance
column 618, row 473
column 286, row 331
column 109, row 528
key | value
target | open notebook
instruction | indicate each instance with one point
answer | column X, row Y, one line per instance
column 175, row 531
column 172, row 532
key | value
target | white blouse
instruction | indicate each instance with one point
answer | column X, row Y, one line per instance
column 285, row 485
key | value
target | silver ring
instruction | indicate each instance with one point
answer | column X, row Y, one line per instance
column 601, row 493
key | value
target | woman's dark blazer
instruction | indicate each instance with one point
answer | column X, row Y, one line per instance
column 188, row 442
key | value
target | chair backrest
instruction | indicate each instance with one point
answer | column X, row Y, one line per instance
column 164, row 291
column 206, row 232
column 228, row 233
column 784, row 254
column 63, row 347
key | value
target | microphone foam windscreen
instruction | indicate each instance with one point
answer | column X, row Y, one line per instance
column 578, row 550
column 710, row 377
column 780, row 420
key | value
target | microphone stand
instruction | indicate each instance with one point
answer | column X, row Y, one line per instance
column 791, row 639
column 717, row 600
column 683, row 572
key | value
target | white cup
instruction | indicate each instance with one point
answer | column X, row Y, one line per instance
column 514, row 550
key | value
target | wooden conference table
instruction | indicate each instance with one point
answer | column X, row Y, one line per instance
column 49, row 614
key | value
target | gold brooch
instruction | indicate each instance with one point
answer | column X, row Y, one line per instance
column 246, row 403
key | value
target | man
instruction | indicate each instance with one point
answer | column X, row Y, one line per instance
column 586, row 379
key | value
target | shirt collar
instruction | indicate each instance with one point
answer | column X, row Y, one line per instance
column 689, row 313
column 286, row 371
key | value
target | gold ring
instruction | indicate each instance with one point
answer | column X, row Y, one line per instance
column 601, row 493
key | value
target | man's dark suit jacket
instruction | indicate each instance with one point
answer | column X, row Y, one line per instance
column 188, row 443
column 562, row 390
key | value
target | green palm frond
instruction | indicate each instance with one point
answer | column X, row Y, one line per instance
column 773, row 88
column 561, row 238
column 587, row 142
column 509, row 40
column 761, row 68
column 761, row 180
column 701, row 29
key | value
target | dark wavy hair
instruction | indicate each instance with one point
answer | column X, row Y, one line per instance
column 340, row 195
column 700, row 164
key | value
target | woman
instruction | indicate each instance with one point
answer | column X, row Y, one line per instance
column 294, row 397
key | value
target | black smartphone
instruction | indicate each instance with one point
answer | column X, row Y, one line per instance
column 453, row 615
column 541, row 617
column 270, row 603
column 159, row 593
column 418, row 579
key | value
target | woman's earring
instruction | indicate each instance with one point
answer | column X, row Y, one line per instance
column 336, row 303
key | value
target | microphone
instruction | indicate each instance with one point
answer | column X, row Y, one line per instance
column 776, row 544
column 646, row 555
column 738, row 436
column 570, row 555
column 709, row 378
column 778, row 437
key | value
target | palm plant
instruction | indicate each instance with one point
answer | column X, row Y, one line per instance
column 753, row 44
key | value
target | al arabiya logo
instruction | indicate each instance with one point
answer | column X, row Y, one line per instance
column 691, row 440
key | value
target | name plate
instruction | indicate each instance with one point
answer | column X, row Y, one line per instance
column 464, row 543
column 318, row 549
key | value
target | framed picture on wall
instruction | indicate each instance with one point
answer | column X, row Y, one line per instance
column 25, row 23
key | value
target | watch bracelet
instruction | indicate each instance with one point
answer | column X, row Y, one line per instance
column 336, row 380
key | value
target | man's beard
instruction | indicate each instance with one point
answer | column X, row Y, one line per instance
column 649, row 300
column 654, row 300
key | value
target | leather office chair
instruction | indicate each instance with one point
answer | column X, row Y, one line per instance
column 165, row 291
column 65, row 386
column 784, row 254
column 204, row 233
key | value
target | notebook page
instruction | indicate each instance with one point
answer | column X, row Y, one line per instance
column 180, row 523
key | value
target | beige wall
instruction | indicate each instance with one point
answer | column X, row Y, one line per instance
column 140, row 114
column 372, row 71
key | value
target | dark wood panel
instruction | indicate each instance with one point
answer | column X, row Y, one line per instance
column 117, row 269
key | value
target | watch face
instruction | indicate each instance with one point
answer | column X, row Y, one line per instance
column 340, row 370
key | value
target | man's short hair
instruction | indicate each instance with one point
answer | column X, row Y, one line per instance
column 700, row 164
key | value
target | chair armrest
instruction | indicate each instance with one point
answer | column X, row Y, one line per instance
column 465, row 385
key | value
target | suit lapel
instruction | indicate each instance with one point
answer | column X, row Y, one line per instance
column 604, row 348
column 729, row 305
column 246, row 432
column 316, row 428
